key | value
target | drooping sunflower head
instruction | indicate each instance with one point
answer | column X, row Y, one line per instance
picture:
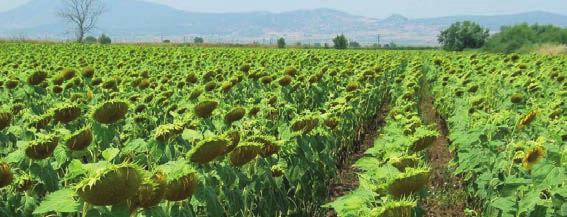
column 395, row 208
column 234, row 115
column 204, row 109
column 5, row 119
column 166, row 132
column 234, row 137
column 526, row 120
column 37, row 77
column 111, row 111
column 423, row 138
column 269, row 143
column 66, row 113
column 88, row 72
column 244, row 153
column 406, row 161
column 533, row 156
column 151, row 191
column 108, row 184
column 279, row 169
column 226, row 86
column 68, row 74
column 80, row 139
column 182, row 180
column 285, row 80
column 209, row 149
column 408, row 182
column 6, row 176
column 42, row 147
column 352, row 86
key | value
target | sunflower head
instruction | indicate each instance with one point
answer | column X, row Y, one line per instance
column 166, row 132
column 37, row 77
column 111, row 111
column 395, row 208
column 244, row 153
column 182, row 180
column 151, row 191
column 533, row 156
column 204, row 109
column 269, row 143
column 234, row 115
column 408, row 182
column 285, row 80
column 517, row 98
column 66, row 113
column 352, row 86
column 109, row 184
column 226, row 86
column 80, row 139
column 6, row 176
column 209, row 149
column 526, row 120
column 12, row 83
column 42, row 148
column 88, row 72
column 5, row 119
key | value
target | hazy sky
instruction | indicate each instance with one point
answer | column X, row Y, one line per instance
column 372, row 8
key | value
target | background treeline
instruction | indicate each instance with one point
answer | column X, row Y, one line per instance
column 517, row 38
column 525, row 37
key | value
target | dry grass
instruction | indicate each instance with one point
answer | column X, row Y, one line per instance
column 551, row 49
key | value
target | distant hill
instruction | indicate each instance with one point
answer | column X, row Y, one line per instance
column 133, row 20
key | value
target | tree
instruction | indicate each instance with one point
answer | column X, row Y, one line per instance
column 340, row 42
column 281, row 42
column 90, row 40
column 104, row 39
column 83, row 14
column 462, row 35
column 354, row 44
column 198, row 40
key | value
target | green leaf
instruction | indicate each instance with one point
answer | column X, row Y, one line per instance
column 59, row 201
column 75, row 169
column 120, row 210
column 191, row 135
column 506, row 204
column 60, row 155
column 354, row 204
column 110, row 153
column 15, row 156
column 367, row 163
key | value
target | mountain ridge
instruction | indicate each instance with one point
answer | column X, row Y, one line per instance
column 134, row 20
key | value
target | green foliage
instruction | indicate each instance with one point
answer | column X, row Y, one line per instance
column 104, row 39
column 62, row 201
column 90, row 40
column 513, row 38
column 198, row 40
column 463, row 35
column 354, row 44
column 340, row 42
column 295, row 112
column 281, row 42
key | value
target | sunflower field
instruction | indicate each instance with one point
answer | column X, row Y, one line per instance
column 124, row 130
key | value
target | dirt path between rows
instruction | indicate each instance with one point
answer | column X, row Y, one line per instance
column 347, row 178
column 446, row 195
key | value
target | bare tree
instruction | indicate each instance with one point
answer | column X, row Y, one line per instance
column 83, row 14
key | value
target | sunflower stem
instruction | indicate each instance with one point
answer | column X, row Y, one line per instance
column 86, row 207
